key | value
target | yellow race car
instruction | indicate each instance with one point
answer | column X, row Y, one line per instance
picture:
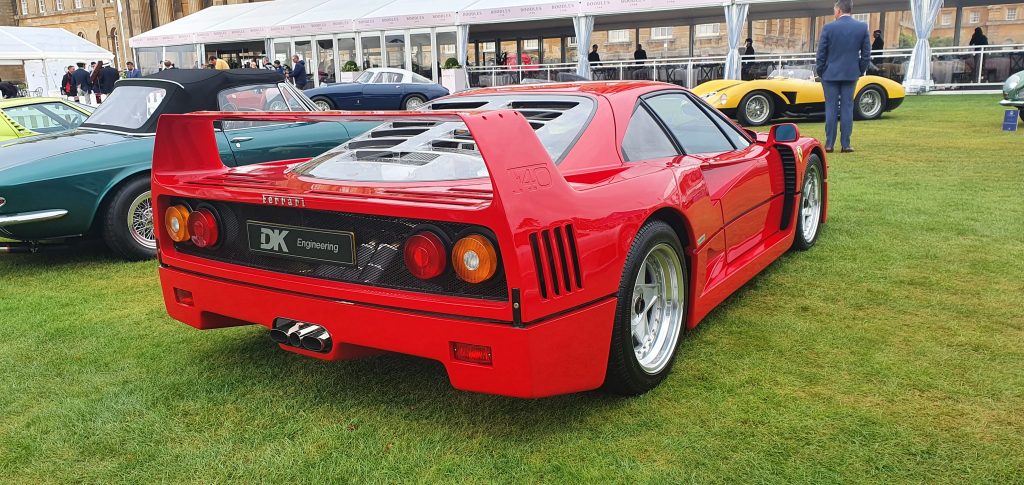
column 790, row 93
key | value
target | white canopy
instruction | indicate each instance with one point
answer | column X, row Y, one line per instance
column 35, row 43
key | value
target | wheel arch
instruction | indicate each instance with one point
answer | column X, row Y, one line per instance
column 779, row 101
column 108, row 195
column 678, row 222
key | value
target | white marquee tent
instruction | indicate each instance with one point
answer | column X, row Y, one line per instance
column 44, row 54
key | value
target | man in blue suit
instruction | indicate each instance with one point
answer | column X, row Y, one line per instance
column 844, row 54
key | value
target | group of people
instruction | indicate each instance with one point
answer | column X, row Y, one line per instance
column 86, row 85
column 296, row 73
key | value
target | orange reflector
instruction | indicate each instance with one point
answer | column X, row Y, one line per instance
column 474, row 259
column 176, row 223
column 474, row 354
column 184, row 297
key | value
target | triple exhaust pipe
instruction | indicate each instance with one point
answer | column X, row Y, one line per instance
column 303, row 335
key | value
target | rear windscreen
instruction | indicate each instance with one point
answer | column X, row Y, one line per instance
column 414, row 151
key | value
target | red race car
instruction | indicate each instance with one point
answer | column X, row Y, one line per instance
column 536, row 240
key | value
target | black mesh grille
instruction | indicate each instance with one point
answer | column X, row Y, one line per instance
column 378, row 248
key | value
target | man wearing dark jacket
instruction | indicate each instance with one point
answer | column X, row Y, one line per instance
column 844, row 54
column 67, row 83
column 107, row 77
column 82, row 86
column 8, row 89
column 299, row 72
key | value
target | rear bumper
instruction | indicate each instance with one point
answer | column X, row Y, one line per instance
column 564, row 354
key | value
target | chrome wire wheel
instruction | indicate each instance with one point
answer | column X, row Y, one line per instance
column 413, row 103
column 140, row 220
column 810, row 203
column 757, row 109
column 656, row 314
column 323, row 105
column 870, row 104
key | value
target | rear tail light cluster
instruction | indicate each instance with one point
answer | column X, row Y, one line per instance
column 473, row 258
column 183, row 224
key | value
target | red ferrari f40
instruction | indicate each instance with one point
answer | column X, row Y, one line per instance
column 536, row 240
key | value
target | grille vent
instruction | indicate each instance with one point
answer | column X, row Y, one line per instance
column 557, row 261
column 789, row 184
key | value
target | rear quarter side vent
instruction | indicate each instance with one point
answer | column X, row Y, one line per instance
column 789, row 184
column 557, row 261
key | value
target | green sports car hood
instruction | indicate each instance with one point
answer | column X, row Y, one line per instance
column 45, row 150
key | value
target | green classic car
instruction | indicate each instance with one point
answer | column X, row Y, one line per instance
column 94, row 181
column 24, row 117
column 1013, row 91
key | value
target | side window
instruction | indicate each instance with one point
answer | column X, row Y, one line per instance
column 645, row 140
column 70, row 115
column 690, row 125
column 258, row 97
column 388, row 78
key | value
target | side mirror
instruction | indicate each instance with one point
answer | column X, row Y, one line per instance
column 783, row 133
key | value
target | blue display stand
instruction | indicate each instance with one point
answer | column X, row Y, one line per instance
column 1010, row 120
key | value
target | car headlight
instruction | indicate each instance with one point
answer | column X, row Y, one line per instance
column 1011, row 84
column 724, row 99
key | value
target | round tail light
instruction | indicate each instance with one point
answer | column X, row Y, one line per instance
column 425, row 255
column 176, row 222
column 203, row 228
column 474, row 259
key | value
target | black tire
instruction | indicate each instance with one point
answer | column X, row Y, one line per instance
column 122, row 240
column 625, row 374
column 413, row 99
column 801, row 241
column 876, row 113
column 325, row 100
column 760, row 97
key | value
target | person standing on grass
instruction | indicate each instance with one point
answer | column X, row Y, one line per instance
column 131, row 72
column 82, row 86
column 67, row 83
column 844, row 54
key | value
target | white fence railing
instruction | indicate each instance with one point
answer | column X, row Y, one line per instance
column 952, row 68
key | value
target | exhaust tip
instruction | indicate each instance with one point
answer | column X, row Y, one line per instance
column 317, row 342
column 278, row 335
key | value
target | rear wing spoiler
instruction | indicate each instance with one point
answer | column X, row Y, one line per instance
column 517, row 162
column 525, row 182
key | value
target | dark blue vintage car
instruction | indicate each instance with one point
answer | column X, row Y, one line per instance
column 94, row 181
column 378, row 89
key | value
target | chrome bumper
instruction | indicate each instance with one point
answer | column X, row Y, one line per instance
column 37, row 216
column 1011, row 103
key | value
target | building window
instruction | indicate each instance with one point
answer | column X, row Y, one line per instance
column 530, row 44
column 60, row 5
column 947, row 19
column 1011, row 13
column 975, row 17
column 42, row 6
column 708, row 30
column 78, row 3
column 487, row 47
column 618, row 36
column 24, row 7
column 863, row 17
column 570, row 41
column 661, row 33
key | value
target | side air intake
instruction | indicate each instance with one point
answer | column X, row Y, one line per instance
column 789, row 184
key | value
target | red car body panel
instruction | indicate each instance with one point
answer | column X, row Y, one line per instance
column 727, row 208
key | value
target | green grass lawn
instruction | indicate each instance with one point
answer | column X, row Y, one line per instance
column 891, row 352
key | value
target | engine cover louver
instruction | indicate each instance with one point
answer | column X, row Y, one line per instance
column 556, row 259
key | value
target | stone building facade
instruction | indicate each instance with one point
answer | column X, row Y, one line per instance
column 97, row 20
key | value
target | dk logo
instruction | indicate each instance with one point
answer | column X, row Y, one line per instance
column 273, row 240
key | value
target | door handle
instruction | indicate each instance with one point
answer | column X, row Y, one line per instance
column 240, row 139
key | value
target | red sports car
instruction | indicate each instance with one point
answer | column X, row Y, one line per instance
column 536, row 240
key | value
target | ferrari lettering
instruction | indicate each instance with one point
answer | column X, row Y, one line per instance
column 273, row 240
column 284, row 201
